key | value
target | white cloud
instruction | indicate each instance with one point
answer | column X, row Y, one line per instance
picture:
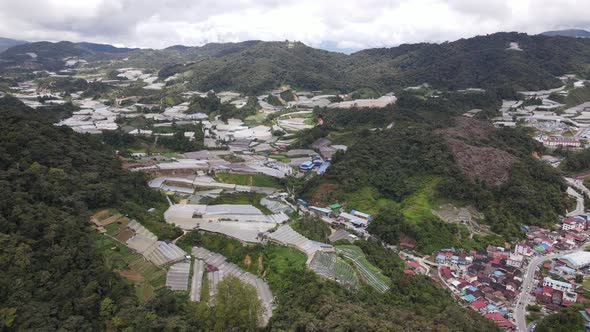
column 346, row 23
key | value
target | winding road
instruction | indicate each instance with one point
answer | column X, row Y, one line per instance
column 527, row 285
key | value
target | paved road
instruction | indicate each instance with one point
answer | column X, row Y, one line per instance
column 527, row 286
column 579, row 202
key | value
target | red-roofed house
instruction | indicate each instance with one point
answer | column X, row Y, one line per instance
column 410, row 272
column 495, row 316
column 573, row 224
column 505, row 324
column 477, row 305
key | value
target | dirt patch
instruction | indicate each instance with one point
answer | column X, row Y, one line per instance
column 260, row 263
column 324, row 193
column 467, row 128
column 100, row 215
column 490, row 165
column 125, row 235
column 131, row 275
column 247, row 261
column 110, row 219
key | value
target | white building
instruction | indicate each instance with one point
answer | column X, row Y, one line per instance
column 577, row 260
column 558, row 285
column 576, row 224
column 515, row 260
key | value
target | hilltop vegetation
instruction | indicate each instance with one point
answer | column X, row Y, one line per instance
column 253, row 67
column 430, row 157
column 482, row 61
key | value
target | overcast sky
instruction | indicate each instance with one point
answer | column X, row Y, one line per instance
column 344, row 24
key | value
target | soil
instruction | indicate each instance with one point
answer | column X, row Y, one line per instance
column 319, row 196
column 131, row 275
column 490, row 165
column 110, row 219
column 467, row 128
column 125, row 235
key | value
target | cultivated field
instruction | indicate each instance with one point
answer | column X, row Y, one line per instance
column 370, row 273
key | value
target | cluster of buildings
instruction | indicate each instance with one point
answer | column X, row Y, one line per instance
column 488, row 281
column 555, row 124
column 355, row 221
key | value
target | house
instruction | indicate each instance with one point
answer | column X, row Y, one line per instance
column 562, row 141
column 577, row 260
column 515, row 260
column 323, row 212
column 478, row 305
column 356, row 221
column 361, row 215
column 573, row 224
column 569, row 298
column 558, row 285
column 523, row 249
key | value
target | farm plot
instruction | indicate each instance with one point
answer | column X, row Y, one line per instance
column 330, row 266
column 370, row 273
column 145, row 276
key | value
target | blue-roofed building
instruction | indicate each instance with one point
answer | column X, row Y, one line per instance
column 440, row 258
column 525, row 228
column 307, row 166
column 491, row 307
column 302, row 202
column 469, row 298
column 498, row 273
column 323, row 168
column 504, row 312
column 320, row 211
column 565, row 270
column 472, row 288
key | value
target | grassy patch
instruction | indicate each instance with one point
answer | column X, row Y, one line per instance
column 145, row 276
column 280, row 157
column 242, row 198
column 270, row 260
column 369, row 272
column 418, row 206
column 232, row 158
column 257, row 180
column 367, row 200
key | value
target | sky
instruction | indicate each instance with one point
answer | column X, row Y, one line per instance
column 331, row 24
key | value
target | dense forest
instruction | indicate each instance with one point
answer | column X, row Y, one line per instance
column 253, row 67
column 482, row 61
column 430, row 157
column 54, row 278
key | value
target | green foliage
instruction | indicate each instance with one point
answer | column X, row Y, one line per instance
column 576, row 161
column 257, row 180
column 568, row 319
column 312, row 228
column 273, row 100
column 236, row 306
column 180, row 143
column 246, row 198
column 50, row 177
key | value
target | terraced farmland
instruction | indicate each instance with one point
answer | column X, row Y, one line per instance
column 369, row 272
column 331, row 266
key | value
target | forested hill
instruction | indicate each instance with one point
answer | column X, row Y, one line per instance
column 431, row 157
column 50, row 177
column 483, row 61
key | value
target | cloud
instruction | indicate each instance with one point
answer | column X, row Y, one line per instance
column 343, row 23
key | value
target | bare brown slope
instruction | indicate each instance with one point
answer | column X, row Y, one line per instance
column 490, row 165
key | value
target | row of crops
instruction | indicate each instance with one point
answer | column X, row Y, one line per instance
column 370, row 273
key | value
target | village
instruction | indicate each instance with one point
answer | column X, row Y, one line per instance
column 231, row 187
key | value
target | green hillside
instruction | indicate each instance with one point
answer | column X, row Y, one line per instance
column 482, row 61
